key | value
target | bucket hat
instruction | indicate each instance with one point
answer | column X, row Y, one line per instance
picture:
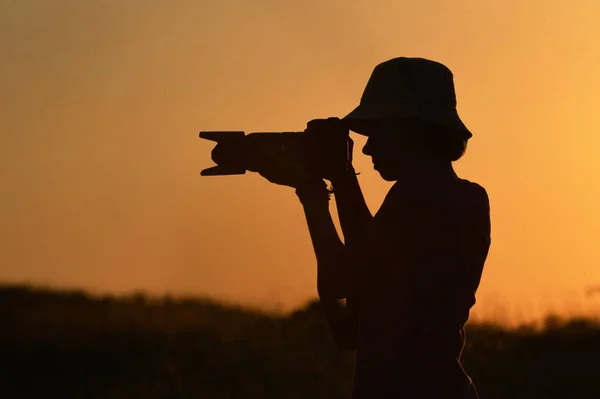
column 409, row 88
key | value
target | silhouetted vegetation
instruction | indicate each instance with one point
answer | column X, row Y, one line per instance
column 70, row 345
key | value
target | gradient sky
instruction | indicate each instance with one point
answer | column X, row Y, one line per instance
column 101, row 103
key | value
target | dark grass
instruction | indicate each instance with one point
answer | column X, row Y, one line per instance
column 70, row 345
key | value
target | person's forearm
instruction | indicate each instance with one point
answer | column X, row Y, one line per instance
column 352, row 209
column 334, row 276
column 326, row 242
column 354, row 216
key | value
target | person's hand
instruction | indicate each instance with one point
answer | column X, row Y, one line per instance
column 332, row 146
column 335, row 168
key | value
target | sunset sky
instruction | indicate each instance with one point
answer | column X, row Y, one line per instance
column 101, row 103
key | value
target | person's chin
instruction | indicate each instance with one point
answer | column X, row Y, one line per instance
column 386, row 175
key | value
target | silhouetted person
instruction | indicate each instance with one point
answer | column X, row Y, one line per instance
column 409, row 274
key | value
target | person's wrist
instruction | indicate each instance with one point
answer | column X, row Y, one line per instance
column 311, row 191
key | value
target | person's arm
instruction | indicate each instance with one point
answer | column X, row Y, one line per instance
column 331, row 261
column 354, row 216
column 335, row 270
column 335, row 277
column 353, row 211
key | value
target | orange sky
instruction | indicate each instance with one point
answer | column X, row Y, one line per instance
column 101, row 103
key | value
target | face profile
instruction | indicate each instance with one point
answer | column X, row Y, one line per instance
column 401, row 147
column 388, row 155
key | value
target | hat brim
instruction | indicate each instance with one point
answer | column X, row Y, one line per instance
column 363, row 116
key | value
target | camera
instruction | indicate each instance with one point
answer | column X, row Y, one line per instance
column 325, row 143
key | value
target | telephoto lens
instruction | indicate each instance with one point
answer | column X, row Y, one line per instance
column 324, row 141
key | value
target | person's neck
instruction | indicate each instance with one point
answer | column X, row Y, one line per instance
column 429, row 172
column 433, row 170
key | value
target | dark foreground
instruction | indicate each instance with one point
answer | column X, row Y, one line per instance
column 68, row 345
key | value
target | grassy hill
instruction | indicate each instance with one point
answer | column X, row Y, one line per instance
column 70, row 345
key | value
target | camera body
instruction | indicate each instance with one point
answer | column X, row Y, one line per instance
column 324, row 142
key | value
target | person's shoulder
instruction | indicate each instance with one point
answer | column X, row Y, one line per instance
column 417, row 195
column 476, row 187
column 476, row 192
